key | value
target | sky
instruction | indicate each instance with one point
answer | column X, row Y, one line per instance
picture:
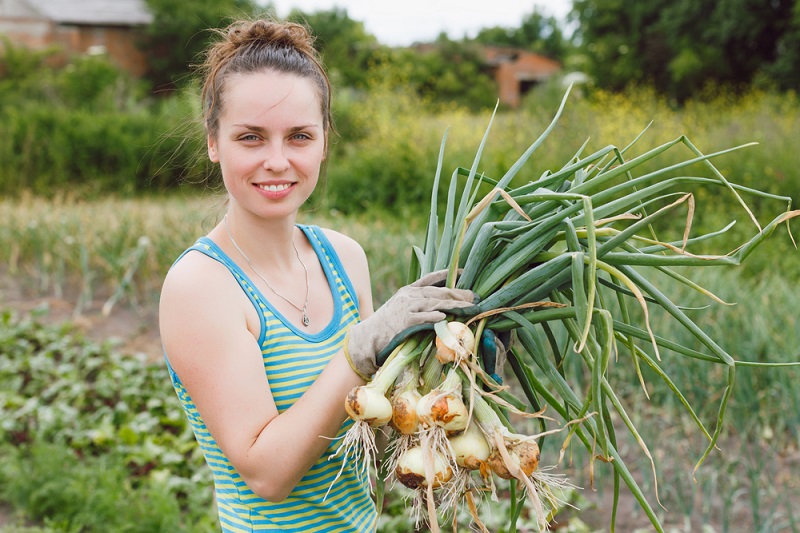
column 403, row 22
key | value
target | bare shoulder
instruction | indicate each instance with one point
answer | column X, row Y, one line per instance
column 196, row 277
column 200, row 302
column 348, row 249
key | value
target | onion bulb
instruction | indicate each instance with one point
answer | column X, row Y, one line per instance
column 471, row 448
column 404, row 412
column 458, row 345
column 410, row 469
column 524, row 453
column 367, row 404
column 443, row 409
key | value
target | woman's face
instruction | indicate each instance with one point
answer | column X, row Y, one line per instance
column 270, row 142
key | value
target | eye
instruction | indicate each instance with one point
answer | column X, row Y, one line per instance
column 249, row 137
column 301, row 137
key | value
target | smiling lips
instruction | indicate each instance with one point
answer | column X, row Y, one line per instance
column 274, row 188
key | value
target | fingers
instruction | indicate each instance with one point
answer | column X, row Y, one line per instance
column 432, row 279
column 428, row 317
column 454, row 297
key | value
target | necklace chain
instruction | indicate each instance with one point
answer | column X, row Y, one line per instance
column 304, row 309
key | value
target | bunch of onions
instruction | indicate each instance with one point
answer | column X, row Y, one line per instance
column 557, row 250
column 369, row 408
column 404, row 419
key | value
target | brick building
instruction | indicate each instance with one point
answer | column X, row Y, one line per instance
column 79, row 26
column 517, row 71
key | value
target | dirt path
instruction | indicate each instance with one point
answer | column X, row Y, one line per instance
column 133, row 330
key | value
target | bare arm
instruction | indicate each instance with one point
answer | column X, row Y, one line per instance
column 219, row 361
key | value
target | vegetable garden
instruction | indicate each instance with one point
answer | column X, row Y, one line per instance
column 613, row 269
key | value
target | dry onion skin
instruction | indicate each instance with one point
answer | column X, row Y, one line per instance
column 410, row 469
column 524, row 453
column 367, row 404
column 404, row 412
column 458, row 346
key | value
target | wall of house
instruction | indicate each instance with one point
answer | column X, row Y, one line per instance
column 24, row 27
column 518, row 72
column 118, row 42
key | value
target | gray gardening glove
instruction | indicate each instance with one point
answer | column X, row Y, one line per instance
column 418, row 303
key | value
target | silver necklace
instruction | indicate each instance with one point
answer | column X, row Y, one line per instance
column 304, row 309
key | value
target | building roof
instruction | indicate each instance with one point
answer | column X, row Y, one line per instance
column 94, row 12
column 498, row 55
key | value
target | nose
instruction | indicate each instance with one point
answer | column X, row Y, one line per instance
column 275, row 159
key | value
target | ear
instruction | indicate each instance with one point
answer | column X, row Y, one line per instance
column 212, row 150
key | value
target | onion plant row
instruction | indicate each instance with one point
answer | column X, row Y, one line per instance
column 566, row 266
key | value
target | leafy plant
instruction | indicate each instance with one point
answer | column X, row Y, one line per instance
column 90, row 428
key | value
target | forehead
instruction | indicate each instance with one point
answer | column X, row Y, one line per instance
column 271, row 94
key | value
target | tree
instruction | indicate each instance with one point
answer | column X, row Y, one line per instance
column 347, row 48
column 448, row 72
column 785, row 70
column 537, row 33
column 678, row 47
column 181, row 30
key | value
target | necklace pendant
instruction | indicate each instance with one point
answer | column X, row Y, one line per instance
column 306, row 320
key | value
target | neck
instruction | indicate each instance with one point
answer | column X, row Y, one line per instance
column 268, row 244
column 303, row 306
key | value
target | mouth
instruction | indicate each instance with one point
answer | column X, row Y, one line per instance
column 274, row 187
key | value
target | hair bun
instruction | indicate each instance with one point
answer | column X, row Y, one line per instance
column 268, row 33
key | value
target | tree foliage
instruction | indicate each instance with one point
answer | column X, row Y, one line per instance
column 677, row 47
column 538, row 33
column 681, row 46
column 181, row 30
column 448, row 72
column 346, row 47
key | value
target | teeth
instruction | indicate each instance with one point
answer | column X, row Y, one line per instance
column 274, row 188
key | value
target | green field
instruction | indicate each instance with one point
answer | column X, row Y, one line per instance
column 115, row 252
column 109, row 253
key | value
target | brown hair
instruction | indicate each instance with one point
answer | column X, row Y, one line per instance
column 258, row 45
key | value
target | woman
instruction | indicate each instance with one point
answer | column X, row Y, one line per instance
column 268, row 324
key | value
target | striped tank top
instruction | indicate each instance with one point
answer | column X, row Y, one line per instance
column 292, row 361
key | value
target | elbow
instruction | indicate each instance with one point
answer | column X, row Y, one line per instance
column 270, row 489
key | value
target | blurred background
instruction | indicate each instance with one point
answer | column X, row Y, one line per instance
column 104, row 181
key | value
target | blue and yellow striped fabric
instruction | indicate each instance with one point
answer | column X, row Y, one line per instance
column 292, row 361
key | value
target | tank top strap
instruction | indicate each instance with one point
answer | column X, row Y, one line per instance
column 206, row 246
column 342, row 290
column 329, row 259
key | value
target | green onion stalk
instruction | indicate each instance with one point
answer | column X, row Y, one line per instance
column 568, row 263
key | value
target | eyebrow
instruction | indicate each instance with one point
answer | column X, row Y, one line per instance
column 262, row 129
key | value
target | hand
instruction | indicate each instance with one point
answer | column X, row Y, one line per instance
column 494, row 350
column 419, row 303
